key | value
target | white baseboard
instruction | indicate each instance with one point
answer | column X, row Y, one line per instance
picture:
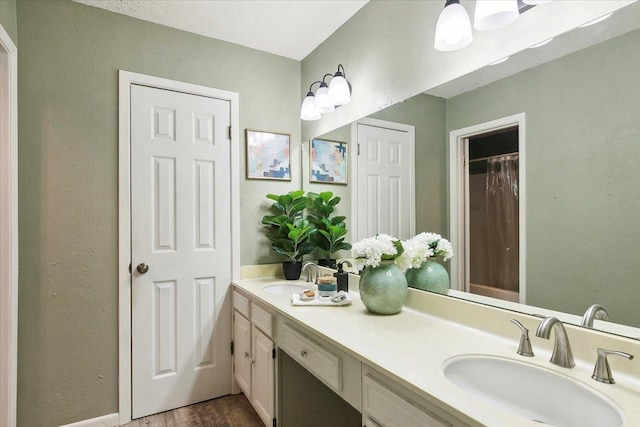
column 110, row 420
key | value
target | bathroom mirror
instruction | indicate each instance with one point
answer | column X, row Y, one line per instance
column 579, row 95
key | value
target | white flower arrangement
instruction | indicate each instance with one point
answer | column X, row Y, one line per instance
column 371, row 251
column 421, row 248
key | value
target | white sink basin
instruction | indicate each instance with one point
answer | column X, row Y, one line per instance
column 285, row 288
column 531, row 392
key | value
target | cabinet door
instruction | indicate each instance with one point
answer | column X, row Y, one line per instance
column 262, row 376
column 242, row 352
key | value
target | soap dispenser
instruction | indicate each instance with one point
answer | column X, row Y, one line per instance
column 342, row 277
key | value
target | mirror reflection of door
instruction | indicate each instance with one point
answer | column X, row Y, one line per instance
column 384, row 190
column 492, row 211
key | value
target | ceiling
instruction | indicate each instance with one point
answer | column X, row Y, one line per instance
column 290, row 28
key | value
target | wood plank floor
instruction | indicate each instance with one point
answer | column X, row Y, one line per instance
column 229, row 411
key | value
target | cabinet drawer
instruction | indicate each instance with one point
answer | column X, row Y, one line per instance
column 389, row 409
column 241, row 303
column 262, row 319
column 318, row 360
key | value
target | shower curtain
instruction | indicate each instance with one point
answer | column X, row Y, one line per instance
column 502, row 220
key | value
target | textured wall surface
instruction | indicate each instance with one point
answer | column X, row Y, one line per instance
column 8, row 19
column 69, row 59
column 582, row 179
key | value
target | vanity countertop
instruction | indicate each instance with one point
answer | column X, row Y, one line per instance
column 412, row 346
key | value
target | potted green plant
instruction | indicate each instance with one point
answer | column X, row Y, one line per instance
column 330, row 231
column 288, row 231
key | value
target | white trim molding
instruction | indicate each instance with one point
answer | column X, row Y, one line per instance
column 110, row 420
column 8, row 229
column 126, row 80
column 353, row 167
column 457, row 216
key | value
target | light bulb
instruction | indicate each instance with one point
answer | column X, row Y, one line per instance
column 323, row 100
column 339, row 91
column 453, row 30
column 495, row 14
column 309, row 111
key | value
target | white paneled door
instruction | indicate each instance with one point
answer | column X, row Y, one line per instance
column 384, row 180
column 180, row 248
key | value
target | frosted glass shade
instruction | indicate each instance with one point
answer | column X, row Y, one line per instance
column 536, row 2
column 309, row 111
column 495, row 14
column 453, row 30
column 323, row 100
column 339, row 90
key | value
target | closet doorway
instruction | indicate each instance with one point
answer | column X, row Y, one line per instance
column 487, row 209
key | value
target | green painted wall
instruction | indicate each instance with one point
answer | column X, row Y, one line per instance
column 69, row 59
column 582, row 180
column 8, row 19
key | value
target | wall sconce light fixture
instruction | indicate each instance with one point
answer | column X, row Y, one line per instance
column 453, row 30
column 327, row 97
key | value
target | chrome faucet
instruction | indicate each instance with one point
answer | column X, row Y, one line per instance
column 561, row 355
column 595, row 311
column 307, row 266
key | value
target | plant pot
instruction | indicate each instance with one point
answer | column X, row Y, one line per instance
column 331, row 263
column 383, row 289
column 292, row 269
column 430, row 276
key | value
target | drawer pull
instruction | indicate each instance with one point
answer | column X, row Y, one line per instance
column 303, row 353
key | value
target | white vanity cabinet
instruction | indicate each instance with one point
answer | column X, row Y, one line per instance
column 387, row 404
column 254, row 354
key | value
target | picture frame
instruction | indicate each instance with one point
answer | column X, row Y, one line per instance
column 268, row 155
column 328, row 162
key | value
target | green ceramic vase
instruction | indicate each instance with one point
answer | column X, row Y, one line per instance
column 430, row 276
column 383, row 289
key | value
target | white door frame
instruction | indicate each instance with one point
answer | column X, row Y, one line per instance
column 457, row 226
column 8, row 229
column 126, row 79
column 353, row 167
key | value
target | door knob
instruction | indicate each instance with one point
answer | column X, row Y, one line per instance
column 142, row 268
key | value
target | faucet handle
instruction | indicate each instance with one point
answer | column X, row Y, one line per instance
column 602, row 371
column 524, row 348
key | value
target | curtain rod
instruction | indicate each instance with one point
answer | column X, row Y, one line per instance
column 515, row 153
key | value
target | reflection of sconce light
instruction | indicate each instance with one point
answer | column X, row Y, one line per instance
column 327, row 97
column 495, row 14
column 453, row 30
column 309, row 109
column 339, row 88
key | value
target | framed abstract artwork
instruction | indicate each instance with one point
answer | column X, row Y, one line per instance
column 268, row 155
column 328, row 162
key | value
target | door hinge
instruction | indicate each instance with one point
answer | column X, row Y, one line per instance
column 129, row 268
column 231, row 347
column 229, row 133
column 274, row 422
column 273, row 353
column 358, row 149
